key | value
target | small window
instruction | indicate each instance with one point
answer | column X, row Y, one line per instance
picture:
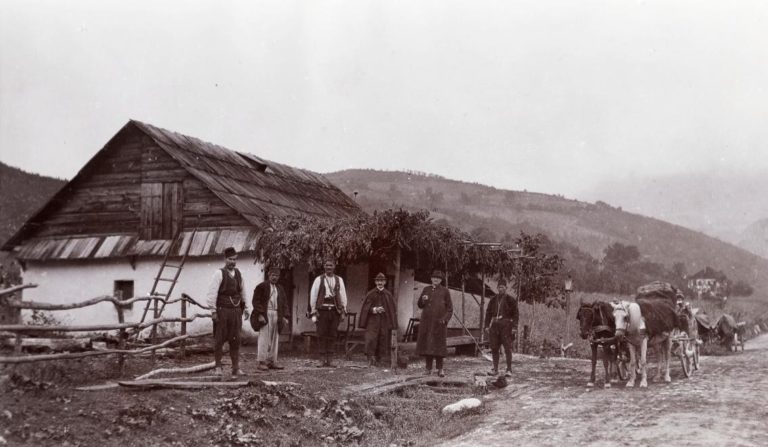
column 124, row 291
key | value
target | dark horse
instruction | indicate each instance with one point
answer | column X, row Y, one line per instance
column 597, row 325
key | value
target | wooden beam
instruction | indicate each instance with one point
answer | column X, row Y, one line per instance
column 13, row 289
column 79, row 355
column 23, row 328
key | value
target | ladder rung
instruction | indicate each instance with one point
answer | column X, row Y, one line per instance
column 173, row 266
column 165, row 279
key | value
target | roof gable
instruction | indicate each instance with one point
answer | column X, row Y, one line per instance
column 254, row 187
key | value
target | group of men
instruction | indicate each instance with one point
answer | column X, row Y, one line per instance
column 328, row 305
column 271, row 313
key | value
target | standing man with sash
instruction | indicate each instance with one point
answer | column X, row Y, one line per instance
column 378, row 318
column 225, row 297
column 436, row 311
column 328, row 301
column 501, row 317
column 270, row 315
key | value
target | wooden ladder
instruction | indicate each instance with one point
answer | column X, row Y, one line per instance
column 161, row 279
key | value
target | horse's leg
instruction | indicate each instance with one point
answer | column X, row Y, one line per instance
column 666, row 345
column 607, row 366
column 632, row 368
column 614, row 357
column 591, row 382
column 643, row 363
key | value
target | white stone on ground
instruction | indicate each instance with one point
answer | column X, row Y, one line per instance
column 462, row 405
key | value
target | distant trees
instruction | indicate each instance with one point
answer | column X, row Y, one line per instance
column 741, row 288
column 483, row 234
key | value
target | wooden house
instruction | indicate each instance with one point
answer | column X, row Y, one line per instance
column 150, row 190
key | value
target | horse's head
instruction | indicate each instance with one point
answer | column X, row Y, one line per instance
column 585, row 317
column 620, row 317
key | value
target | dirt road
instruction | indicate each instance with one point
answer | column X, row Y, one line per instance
column 725, row 403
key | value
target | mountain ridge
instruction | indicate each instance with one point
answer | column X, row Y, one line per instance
column 590, row 226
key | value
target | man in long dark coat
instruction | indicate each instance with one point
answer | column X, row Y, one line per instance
column 436, row 311
column 270, row 315
column 501, row 318
column 378, row 317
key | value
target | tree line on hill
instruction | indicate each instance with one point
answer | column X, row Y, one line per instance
column 621, row 270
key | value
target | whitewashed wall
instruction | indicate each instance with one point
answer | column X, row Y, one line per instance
column 63, row 282
column 66, row 282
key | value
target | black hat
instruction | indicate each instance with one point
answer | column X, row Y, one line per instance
column 273, row 269
column 230, row 252
column 502, row 282
column 381, row 276
column 436, row 273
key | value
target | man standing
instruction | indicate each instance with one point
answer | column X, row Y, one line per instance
column 436, row 311
column 225, row 296
column 327, row 301
column 501, row 318
column 378, row 317
column 270, row 315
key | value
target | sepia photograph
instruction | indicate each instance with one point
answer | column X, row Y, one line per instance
column 383, row 223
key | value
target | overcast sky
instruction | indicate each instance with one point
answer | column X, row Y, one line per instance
column 544, row 95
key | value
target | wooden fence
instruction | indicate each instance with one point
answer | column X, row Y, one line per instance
column 18, row 331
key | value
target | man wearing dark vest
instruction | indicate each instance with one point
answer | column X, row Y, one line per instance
column 501, row 318
column 327, row 301
column 378, row 318
column 270, row 316
column 225, row 297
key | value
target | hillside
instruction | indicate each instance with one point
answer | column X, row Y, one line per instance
column 591, row 227
column 21, row 194
column 722, row 203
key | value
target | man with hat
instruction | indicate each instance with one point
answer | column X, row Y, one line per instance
column 327, row 301
column 225, row 297
column 270, row 315
column 501, row 316
column 378, row 317
column 436, row 311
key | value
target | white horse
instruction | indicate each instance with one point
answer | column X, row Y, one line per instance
column 631, row 324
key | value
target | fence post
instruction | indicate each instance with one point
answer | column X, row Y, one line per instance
column 121, row 332
column 526, row 337
column 12, row 315
column 183, row 327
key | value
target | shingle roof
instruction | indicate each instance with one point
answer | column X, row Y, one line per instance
column 254, row 187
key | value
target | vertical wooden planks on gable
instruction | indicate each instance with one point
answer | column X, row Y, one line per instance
column 151, row 210
column 172, row 210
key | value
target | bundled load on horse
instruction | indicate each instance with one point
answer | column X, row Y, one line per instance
column 705, row 327
column 651, row 321
column 659, row 289
column 730, row 332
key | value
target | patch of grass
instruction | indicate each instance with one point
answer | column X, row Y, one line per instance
column 414, row 417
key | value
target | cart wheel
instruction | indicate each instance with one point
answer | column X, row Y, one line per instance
column 695, row 356
column 685, row 359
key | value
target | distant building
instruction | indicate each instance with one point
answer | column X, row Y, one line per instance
column 708, row 282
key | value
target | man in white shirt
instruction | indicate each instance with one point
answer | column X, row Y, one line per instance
column 270, row 315
column 225, row 298
column 328, row 301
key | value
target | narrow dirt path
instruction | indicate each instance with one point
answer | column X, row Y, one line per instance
column 725, row 403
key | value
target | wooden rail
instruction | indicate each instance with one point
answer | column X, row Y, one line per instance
column 99, row 299
column 23, row 328
column 79, row 355
column 13, row 289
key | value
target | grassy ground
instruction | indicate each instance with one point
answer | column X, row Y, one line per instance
column 44, row 409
